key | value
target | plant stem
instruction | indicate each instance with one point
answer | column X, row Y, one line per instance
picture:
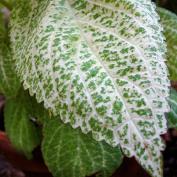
column 6, row 4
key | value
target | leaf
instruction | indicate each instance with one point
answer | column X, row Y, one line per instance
column 169, row 22
column 94, row 157
column 9, row 84
column 20, row 129
column 99, row 65
column 172, row 115
column 2, row 27
column 69, row 153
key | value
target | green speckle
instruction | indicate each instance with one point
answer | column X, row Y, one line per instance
column 102, row 110
column 117, row 107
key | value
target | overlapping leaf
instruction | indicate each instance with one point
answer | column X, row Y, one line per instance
column 84, row 155
column 19, row 128
column 169, row 22
column 100, row 66
column 9, row 84
column 69, row 153
column 172, row 115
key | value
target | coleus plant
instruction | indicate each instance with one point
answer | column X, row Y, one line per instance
column 98, row 68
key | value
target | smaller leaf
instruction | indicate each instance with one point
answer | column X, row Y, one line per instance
column 169, row 22
column 19, row 128
column 172, row 115
column 2, row 27
column 70, row 153
column 9, row 83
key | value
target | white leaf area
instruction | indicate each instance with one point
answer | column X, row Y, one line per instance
column 100, row 66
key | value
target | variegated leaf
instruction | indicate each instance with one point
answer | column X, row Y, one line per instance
column 172, row 115
column 169, row 22
column 9, row 84
column 100, row 66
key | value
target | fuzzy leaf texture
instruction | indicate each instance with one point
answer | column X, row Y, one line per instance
column 70, row 153
column 9, row 84
column 99, row 65
column 20, row 129
column 169, row 22
column 172, row 115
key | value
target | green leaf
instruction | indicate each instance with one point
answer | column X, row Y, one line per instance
column 169, row 22
column 100, row 66
column 85, row 154
column 5, row 3
column 9, row 84
column 20, row 129
column 2, row 27
column 172, row 115
column 69, row 153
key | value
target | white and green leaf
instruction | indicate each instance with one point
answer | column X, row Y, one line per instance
column 169, row 22
column 19, row 127
column 172, row 115
column 70, row 153
column 9, row 84
column 100, row 66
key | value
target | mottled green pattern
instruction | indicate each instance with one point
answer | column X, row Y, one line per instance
column 20, row 129
column 100, row 66
column 69, row 153
column 169, row 22
column 172, row 115
column 9, row 84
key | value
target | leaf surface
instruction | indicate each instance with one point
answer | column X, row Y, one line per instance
column 169, row 22
column 84, row 155
column 172, row 115
column 19, row 127
column 9, row 84
column 69, row 153
column 99, row 65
